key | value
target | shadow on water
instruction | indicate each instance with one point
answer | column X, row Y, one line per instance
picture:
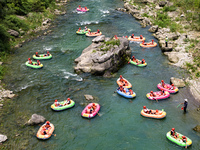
column 120, row 125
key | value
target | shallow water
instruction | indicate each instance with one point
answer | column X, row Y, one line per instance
column 120, row 125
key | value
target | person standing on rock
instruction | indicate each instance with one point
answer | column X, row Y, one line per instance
column 166, row 41
column 185, row 105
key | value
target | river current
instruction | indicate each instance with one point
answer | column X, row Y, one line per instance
column 120, row 125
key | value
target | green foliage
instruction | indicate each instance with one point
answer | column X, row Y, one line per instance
column 162, row 20
column 186, row 26
column 113, row 42
column 1, row 72
column 13, row 22
column 174, row 27
column 197, row 74
column 4, row 39
column 169, row 8
column 145, row 15
column 94, row 51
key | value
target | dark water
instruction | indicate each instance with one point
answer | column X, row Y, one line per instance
column 120, row 125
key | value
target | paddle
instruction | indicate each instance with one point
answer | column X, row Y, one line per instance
column 155, row 99
column 178, row 105
column 98, row 114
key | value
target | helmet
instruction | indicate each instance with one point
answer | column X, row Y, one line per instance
column 48, row 122
column 133, row 56
column 120, row 76
column 144, row 107
column 132, row 34
column 173, row 129
column 37, row 60
column 97, row 29
column 47, row 51
column 68, row 99
column 162, row 80
column 89, row 107
column 29, row 58
column 152, row 40
column 56, row 100
column 129, row 89
column 93, row 104
column 172, row 84
column 186, row 100
column 183, row 137
column 79, row 28
column 79, row 6
column 151, row 91
column 156, row 110
column 142, row 59
column 36, row 52
column 120, row 86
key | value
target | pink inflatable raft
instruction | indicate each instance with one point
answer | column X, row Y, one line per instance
column 82, row 9
column 158, row 95
column 94, row 112
column 168, row 88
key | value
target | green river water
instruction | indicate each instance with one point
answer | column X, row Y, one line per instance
column 120, row 125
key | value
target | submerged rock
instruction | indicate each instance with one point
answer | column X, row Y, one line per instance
column 197, row 128
column 36, row 119
column 3, row 138
column 88, row 97
column 103, row 57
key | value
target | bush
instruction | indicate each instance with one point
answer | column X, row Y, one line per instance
column 169, row 8
column 162, row 20
column 174, row 27
column 4, row 39
column 113, row 42
column 12, row 22
column 198, row 74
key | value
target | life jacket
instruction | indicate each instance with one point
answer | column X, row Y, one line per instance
column 131, row 92
column 47, row 126
column 121, row 89
column 172, row 132
column 38, row 63
column 56, row 104
column 29, row 61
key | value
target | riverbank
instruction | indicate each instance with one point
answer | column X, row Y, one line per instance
column 183, row 44
column 18, row 39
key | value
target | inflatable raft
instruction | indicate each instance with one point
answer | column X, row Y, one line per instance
column 159, row 115
column 146, row 45
column 42, row 56
column 127, row 94
column 120, row 83
column 82, row 31
column 93, row 114
column 82, row 9
column 158, row 95
column 136, row 39
column 179, row 141
column 47, row 136
column 34, row 66
column 93, row 34
column 60, row 108
column 168, row 88
column 138, row 64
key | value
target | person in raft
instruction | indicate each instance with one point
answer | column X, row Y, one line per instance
column 86, row 28
column 130, row 92
column 162, row 92
column 163, row 83
column 48, row 54
column 184, row 139
column 116, row 37
column 143, row 61
column 89, row 32
column 85, row 8
column 132, row 36
column 174, row 134
column 38, row 62
column 152, row 94
column 79, row 7
column 89, row 110
column 97, row 31
column 121, row 79
column 125, row 83
column 67, row 102
column 146, row 110
column 43, row 131
column 173, row 87
column 36, row 54
column 121, row 89
column 57, row 104
column 133, row 58
column 47, row 125
column 30, row 61
column 152, row 42
column 141, row 37
column 79, row 29
column 144, row 43
column 93, row 106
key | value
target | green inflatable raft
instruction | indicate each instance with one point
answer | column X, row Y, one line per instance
column 138, row 64
column 60, row 108
column 42, row 57
column 34, row 65
column 179, row 141
column 82, row 31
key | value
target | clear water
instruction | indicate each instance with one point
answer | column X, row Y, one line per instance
column 120, row 125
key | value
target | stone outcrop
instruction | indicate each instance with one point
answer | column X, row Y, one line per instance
column 177, row 82
column 3, row 138
column 153, row 29
column 36, row 119
column 13, row 33
column 103, row 57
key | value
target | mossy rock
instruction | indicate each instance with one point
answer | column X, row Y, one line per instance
column 197, row 128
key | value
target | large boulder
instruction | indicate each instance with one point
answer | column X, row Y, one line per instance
column 98, row 39
column 103, row 58
column 177, row 82
column 36, row 119
column 3, row 138
column 13, row 33
column 153, row 29
column 172, row 57
column 89, row 97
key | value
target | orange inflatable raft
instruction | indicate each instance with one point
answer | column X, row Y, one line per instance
column 46, row 136
column 146, row 45
column 120, row 83
column 93, row 34
column 136, row 39
column 159, row 114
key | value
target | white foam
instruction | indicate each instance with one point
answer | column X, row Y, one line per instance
column 87, row 23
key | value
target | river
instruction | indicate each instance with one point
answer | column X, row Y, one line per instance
column 120, row 125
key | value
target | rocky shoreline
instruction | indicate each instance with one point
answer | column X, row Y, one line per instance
column 176, row 50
